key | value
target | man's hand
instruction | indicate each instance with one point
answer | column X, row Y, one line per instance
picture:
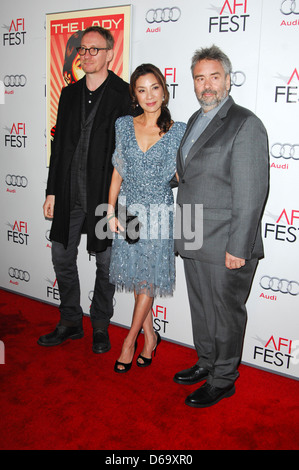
column 232, row 262
column 48, row 207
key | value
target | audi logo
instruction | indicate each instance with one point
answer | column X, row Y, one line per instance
column 237, row 78
column 163, row 15
column 15, row 80
column 47, row 235
column 16, row 180
column 288, row 7
column 19, row 274
column 279, row 285
column 285, row 151
column 90, row 295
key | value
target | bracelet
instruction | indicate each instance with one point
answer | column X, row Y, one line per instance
column 111, row 217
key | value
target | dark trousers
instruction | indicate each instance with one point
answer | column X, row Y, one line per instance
column 217, row 298
column 65, row 266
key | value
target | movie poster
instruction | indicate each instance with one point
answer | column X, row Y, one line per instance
column 64, row 32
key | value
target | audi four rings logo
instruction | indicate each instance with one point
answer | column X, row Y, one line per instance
column 237, row 78
column 16, row 180
column 288, row 7
column 285, row 151
column 163, row 15
column 19, row 274
column 15, row 80
column 280, row 285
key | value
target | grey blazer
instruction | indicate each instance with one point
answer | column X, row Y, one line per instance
column 227, row 172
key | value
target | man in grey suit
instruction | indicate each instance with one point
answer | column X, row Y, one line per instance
column 223, row 166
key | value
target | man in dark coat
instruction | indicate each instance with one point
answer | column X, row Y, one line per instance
column 78, row 182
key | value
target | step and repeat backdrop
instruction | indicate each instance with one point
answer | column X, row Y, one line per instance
column 260, row 37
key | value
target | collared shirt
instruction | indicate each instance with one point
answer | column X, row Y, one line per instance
column 199, row 125
column 92, row 96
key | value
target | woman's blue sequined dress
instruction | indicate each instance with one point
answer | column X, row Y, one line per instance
column 147, row 266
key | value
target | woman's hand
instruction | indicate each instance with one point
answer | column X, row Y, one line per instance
column 114, row 224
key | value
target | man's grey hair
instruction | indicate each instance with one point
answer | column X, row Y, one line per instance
column 212, row 53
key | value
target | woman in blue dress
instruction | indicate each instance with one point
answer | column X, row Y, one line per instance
column 144, row 164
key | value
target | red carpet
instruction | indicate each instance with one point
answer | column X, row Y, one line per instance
column 68, row 398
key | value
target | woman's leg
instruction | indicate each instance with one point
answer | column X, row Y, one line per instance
column 150, row 338
column 141, row 319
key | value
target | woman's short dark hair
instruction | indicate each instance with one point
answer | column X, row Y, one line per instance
column 164, row 120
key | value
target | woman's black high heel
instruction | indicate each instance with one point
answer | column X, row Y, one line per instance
column 126, row 365
column 147, row 361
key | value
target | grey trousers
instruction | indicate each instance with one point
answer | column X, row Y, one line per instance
column 65, row 266
column 217, row 298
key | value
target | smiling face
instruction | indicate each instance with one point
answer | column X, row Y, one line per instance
column 98, row 63
column 149, row 93
column 211, row 84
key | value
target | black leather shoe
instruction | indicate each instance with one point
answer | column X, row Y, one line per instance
column 191, row 376
column 207, row 395
column 61, row 334
column 101, row 343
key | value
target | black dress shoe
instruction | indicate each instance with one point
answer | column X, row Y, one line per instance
column 191, row 376
column 207, row 395
column 101, row 343
column 61, row 334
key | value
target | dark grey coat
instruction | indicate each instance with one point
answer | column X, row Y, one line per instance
column 227, row 172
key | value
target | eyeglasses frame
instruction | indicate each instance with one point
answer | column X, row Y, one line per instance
column 88, row 49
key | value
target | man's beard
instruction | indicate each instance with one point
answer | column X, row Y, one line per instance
column 212, row 103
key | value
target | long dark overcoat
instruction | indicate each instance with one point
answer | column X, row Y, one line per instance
column 114, row 103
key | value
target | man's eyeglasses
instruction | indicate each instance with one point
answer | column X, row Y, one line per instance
column 91, row 50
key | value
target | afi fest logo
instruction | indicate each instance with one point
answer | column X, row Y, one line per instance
column 284, row 229
column 170, row 73
column 16, row 33
column 52, row 291
column 288, row 93
column 16, row 138
column 160, row 318
column 279, row 352
column 232, row 17
column 18, row 233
